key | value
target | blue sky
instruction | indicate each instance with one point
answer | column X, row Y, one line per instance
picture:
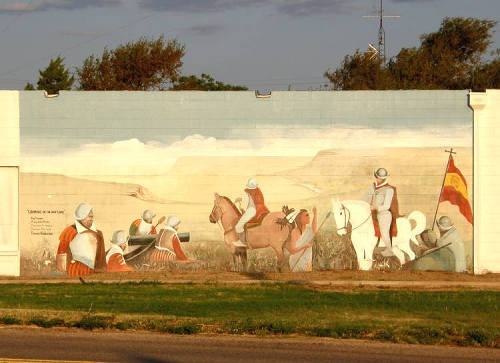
column 115, row 132
column 264, row 44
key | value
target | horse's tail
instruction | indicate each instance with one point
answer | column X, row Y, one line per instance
column 420, row 224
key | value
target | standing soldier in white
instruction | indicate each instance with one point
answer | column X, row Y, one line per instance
column 383, row 201
column 81, row 245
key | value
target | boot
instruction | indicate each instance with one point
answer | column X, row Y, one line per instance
column 388, row 251
column 241, row 242
column 238, row 243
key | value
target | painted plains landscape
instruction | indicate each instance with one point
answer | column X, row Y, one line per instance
column 187, row 190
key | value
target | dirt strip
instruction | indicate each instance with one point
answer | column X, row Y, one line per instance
column 201, row 276
column 326, row 285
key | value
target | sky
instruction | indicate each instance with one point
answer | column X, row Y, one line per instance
column 114, row 133
column 263, row 44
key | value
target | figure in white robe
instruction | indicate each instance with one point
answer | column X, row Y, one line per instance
column 301, row 240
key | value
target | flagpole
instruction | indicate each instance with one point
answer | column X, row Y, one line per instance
column 442, row 185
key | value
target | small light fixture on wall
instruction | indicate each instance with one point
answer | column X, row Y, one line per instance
column 53, row 95
column 263, row 94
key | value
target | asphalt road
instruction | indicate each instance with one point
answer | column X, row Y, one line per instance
column 75, row 345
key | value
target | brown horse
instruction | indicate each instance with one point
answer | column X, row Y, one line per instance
column 268, row 234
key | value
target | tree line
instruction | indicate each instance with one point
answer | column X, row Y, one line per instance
column 143, row 65
column 453, row 57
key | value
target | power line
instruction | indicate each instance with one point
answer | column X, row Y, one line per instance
column 79, row 44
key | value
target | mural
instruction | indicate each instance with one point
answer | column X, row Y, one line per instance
column 301, row 181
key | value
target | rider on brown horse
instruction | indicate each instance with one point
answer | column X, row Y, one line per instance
column 255, row 211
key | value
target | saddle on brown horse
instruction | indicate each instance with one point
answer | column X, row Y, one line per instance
column 257, row 220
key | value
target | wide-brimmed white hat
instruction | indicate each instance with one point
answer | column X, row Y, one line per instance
column 173, row 221
column 444, row 223
column 82, row 211
column 148, row 214
column 252, row 183
column 119, row 238
column 381, row 173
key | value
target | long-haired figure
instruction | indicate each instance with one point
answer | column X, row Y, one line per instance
column 301, row 238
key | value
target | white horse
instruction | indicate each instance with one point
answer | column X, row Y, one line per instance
column 358, row 214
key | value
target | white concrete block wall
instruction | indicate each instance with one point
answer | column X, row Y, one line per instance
column 9, row 183
column 486, row 108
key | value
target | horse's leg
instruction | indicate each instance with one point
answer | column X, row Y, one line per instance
column 402, row 240
column 244, row 261
column 279, row 256
column 364, row 244
column 371, row 247
column 235, row 263
column 358, row 244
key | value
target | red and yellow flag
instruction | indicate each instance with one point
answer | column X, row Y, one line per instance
column 455, row 190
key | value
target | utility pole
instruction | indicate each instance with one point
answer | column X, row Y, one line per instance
column 381, row 32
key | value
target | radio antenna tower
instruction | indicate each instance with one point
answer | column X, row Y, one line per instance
column 381, row 32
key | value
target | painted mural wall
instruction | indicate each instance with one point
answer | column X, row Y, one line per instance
column 123, row 181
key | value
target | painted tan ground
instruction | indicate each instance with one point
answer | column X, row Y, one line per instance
column 187, row 191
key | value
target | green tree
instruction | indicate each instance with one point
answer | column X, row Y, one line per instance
column 53, row 78
column 446, row 59
column 29, row 87
column 361, row 72
column 204, row 83
column 487, row 75
column 450, row 58
column 141, row 65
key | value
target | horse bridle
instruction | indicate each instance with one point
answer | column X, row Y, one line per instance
column 216, row 207
column 218, row 220
column 346, row 219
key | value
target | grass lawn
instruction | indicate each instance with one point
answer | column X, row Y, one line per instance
column 463, row 317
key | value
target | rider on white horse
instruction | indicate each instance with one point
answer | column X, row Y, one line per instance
column 383, row 202
column 255, row 208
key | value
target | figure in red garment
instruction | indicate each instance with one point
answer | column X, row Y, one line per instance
column 81, row 246
column 168, row 247
column 143, row 226
column 114, row 257
column 254, row 212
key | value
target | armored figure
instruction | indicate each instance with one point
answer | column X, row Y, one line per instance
column 450, row 235
column 383, row 201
